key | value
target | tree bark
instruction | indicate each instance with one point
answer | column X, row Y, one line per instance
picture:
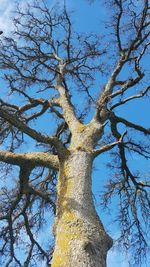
column 81, row 240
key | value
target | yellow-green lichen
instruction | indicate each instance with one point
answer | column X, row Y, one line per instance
column 68, row 229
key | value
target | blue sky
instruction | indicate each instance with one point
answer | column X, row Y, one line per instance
column 87, row 19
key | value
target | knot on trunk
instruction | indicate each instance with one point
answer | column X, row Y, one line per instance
column 90, row 248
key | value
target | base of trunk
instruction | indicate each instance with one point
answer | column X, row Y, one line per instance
column 81, row 240
column 80, row 243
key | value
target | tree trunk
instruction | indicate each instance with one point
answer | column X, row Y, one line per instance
column 81, row 240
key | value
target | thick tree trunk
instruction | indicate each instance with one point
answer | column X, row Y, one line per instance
column 81, row 240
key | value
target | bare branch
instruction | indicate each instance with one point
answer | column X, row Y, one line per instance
column 15, row 121
column 141, row 94
column 117, row 119
column 34, row 159
column 108, row 147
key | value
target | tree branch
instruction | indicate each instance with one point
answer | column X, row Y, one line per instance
column 108, row 147
column 137, row 127
column 104, row 97
column 141, row 94
column 34, row 159
column 68, row 109
column 15, row 121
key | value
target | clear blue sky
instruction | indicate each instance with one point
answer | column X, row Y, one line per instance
column 87, row 18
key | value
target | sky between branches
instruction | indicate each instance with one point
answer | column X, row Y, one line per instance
column 6, row 8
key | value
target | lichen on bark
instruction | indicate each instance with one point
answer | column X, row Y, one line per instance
column 80, row 236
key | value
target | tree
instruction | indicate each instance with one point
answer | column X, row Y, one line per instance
column 44, row 65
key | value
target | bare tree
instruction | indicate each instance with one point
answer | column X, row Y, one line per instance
column 46, row 66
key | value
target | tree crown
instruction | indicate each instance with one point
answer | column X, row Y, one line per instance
column 62, row 77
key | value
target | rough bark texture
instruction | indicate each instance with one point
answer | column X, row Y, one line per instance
column 80, row 236
column 46, row 64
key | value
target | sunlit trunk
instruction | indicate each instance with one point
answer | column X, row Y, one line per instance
column 80, row 236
